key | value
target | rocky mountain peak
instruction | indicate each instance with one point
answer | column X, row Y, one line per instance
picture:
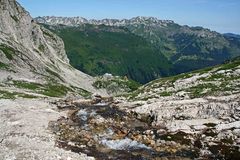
column 75, row 21
column 144, row 19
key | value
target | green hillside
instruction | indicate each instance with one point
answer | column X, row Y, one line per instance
column 100, row 49
column 145, row 51
column 220, row 80
column 189, row 48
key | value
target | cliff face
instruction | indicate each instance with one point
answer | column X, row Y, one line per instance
column 32, row 53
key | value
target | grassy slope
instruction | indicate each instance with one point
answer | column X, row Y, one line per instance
column 213, row 81
column 189, row 48
column 46, row 90
column 99, row 50
column 166, row 51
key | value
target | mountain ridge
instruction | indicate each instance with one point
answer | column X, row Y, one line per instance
column 75, row 21
column 186, row 48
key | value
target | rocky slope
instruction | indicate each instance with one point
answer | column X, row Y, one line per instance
column 24, row 133
column 33, row 64
column 32, row 57
column 201, row 106
column 177, row 48
column 194, row 115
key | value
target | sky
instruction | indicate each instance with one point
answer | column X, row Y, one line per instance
column 218, row 15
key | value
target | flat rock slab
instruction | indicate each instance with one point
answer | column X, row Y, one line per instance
column 24, row 131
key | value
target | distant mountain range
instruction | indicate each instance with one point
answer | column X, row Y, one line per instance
column 142, row 48
column 231, row 35
column 76, row 21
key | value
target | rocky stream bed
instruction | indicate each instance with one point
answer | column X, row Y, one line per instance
column 100, row 129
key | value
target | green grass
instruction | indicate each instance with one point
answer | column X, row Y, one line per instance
column 213, row 85
column 230, row 65
column 14, row 95
column 212, row 89
column 27, row 85
column 82, row 92
column 54, row 90
column 104, row 83
column 3, row 66
column 41, row 48
column 9, row 52
column 99, row 50
column 49, row 89
column 165, row 94
column 119, row 82
column 144, row 53
column 55, row 74
column 197, row 91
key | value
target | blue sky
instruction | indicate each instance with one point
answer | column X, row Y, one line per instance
column 219, row 15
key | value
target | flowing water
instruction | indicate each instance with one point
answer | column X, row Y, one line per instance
column 105, row 132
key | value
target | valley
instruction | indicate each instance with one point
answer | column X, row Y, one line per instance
column 95, row 46
column 140, row 88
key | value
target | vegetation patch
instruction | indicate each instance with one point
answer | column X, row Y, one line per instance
column 230, row 65
column 9, row 52
column 51, row 90
column 27, row 85
column 82, row 92
column 15, row 18
column 54, row 90
column 13, row 95
column 41, row 48
column 198, row 91
column 54, row 74
column 3, row 66
column 116, row 84
column 165, row 94
column 121, row 82
column 48, row 34
column 106, row 49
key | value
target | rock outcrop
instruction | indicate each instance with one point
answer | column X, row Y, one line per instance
column 200, row 107
column 31, row 53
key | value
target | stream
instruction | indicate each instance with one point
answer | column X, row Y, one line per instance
column 105, row 132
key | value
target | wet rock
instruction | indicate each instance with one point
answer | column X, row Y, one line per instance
column 148, row 132
column 199, row 127
column 161, row 132
column 205, row 152
column 97, row 120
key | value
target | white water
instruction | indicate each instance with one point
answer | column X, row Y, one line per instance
column 83, row 114
column 123, row 144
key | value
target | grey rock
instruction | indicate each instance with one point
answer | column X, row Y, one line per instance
column 36, row 53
